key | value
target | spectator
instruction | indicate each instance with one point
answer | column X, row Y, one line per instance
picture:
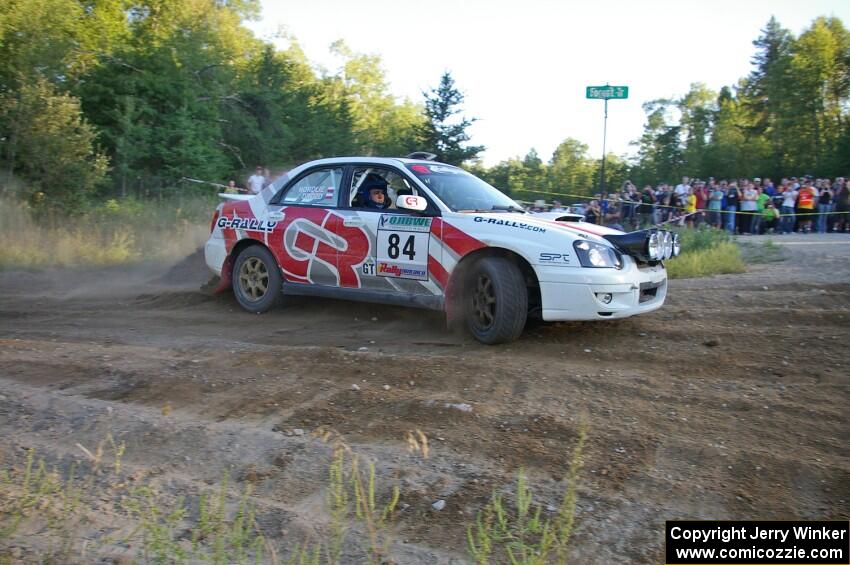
column 770, row 217
column 256, row 181
column 749, row 207
column 842, row 206
column 593, row 214
column 647, row 199
column 761, row 204
column 683, row 188
column 557, row 206
column 231, row 187
column 733, row 197
column 824, row 206
column 611, row 216
column 806, row 200
column 715, row 207
column 789, row 199
column 690, row 201
column 701, row 194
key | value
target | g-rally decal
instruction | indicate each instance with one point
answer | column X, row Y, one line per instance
column 248, row 224
column 509, row 223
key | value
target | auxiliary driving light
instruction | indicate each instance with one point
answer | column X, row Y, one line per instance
column 668, row 245
column 605, row 297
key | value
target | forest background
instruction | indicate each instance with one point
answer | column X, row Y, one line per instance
column 124, row 100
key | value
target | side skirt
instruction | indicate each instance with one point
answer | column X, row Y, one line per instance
column 428, row 302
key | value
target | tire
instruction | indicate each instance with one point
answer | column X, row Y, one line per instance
column 496, row 301
column 257, row 280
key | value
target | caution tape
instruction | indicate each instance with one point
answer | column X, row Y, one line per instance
column 204, row 182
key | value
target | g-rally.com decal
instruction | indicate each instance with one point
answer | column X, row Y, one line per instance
column 509, row 224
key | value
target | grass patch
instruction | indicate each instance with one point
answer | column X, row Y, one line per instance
column 93, row 510
column 705, row 251
column 520, row 533
column 766, row 252
column 112, row 233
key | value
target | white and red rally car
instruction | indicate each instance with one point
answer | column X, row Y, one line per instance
column 444, row 240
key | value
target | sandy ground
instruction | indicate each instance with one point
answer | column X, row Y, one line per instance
column 728, row 403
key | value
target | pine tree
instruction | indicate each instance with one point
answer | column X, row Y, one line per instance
column 444, row 133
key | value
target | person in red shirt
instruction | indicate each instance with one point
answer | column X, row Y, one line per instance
column 806, row 201
column 701, row 194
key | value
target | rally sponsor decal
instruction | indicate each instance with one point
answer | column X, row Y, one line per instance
column 401, row 271
column 509, row 224
column 404, row 223
column 312, row 244
column 401, row 249
column 249, row 224
column 555, row 259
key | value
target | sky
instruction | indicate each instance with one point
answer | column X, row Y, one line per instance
column 523, row 66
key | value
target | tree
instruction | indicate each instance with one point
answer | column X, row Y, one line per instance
column 571, row 170
column 444, row 132
column 765, row 92
column 51, row 146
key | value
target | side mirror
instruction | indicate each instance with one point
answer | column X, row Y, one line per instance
column 410, row 202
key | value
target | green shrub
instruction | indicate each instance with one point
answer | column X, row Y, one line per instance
column 722, row 258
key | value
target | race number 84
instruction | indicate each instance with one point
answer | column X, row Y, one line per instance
column 408, row 248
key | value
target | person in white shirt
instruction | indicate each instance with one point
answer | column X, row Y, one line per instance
column 684, row 188
column 256, row 181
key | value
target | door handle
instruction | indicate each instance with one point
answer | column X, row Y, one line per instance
column 353, row 222
column 275, row 216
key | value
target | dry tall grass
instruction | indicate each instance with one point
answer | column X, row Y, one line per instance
column 111, row 234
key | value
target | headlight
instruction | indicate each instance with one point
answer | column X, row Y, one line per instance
column 655, row 246
column 596, row 255
column 668, row 245
column 677, row 245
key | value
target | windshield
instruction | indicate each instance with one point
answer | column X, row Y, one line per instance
column 460, row 190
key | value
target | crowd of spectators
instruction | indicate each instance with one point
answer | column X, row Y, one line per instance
column 742, row 206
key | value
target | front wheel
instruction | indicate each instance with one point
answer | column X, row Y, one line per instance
column 256, row 279
column 496, row 300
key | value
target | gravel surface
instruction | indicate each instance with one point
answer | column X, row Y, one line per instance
column 728, row 403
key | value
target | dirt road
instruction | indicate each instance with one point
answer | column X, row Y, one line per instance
column 729, row 402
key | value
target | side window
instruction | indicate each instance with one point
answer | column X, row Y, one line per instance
column 377, row 188
column 319, row 188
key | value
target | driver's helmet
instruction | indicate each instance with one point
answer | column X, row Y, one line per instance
column 372, row 182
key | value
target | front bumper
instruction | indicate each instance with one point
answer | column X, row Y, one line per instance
column 577, row 293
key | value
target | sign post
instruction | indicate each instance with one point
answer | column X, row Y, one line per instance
column 606, row 93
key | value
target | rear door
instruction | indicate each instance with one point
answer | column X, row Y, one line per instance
column 305, row 238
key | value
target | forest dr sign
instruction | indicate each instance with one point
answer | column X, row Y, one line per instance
column 608, row 92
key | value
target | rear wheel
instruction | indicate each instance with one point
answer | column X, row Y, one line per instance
column 496, row 300
column 256, row 279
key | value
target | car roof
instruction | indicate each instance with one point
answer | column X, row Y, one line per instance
column 372, row 160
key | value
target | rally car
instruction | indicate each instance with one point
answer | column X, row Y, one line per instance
column 424, row 234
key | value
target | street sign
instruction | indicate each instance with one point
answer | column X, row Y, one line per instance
column 608, row 92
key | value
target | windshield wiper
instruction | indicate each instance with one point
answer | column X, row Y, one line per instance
column 508, row 208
